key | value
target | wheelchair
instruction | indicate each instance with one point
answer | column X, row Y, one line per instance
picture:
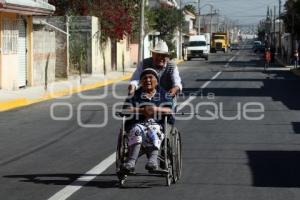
column 170, row 156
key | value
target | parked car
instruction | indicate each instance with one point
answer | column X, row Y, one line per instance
column 259, row 48
column 234, row 46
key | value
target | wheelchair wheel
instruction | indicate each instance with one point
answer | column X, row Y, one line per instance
column 177, row 155
column 168, row 162
column 121, row 155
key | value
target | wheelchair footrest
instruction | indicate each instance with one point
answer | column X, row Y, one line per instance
column 160, row 172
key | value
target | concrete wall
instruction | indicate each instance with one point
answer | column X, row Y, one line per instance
column 44, row 57
column 8, row 62
column 97, row 67
column 9, row 72
column 61, row 61
column 61, row 64
column 123, row 54
column 105, row 56
column 134, row 51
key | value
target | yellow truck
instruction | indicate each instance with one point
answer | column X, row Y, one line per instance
column 219, row 42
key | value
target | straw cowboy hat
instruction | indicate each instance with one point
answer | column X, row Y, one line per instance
column 161, row 48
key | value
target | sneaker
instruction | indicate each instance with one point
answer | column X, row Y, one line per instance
column 151, row 166
column 127, row 167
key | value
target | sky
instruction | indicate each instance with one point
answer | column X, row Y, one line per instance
column 245, row 11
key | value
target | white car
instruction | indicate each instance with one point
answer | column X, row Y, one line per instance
column 197, row 47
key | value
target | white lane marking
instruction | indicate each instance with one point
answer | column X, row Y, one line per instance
column 67, row 191
column 191, row 98
column 231, row 59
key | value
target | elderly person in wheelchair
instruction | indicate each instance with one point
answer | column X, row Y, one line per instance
column 147, row 131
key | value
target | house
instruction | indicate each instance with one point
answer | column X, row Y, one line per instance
column 188, row 28
column 16, row 37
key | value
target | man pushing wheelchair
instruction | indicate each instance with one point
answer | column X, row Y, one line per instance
column 146, row 131
column 152, row 98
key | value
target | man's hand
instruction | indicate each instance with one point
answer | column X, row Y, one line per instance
column 173, row 91
column 131, row 89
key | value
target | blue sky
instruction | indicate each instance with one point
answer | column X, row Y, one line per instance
column 245, row 11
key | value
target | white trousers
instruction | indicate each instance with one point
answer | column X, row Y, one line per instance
column 146, row 134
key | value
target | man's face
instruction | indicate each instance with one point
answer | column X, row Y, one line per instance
column 159, row 60
column 149, row 82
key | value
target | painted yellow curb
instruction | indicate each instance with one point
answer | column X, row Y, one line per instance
column 7, row 105
column 20, row 102
column 179, row 61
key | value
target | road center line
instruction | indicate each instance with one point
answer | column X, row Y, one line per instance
column 191, row 98
column 67, row 191
column 70, row 189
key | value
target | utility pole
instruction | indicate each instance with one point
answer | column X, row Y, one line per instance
column 211, row 9
column 199, row 20
column 142, row 33
column 218, row 20
column 274, row 21
column 279, row 12
column 68, row 44
column 180, row 33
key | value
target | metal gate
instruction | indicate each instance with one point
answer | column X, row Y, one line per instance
column 22, row 53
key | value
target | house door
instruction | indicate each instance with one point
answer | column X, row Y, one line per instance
column 22, row 61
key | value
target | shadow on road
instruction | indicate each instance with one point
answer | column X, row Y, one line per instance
column 296, row 127
column 275, row 168
column 281, row 86
column 101, row 181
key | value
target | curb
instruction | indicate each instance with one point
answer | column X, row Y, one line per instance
column 296, row 72
column 21, row 102
column 280, row 62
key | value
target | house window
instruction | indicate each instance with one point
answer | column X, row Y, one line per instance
column 10, row 36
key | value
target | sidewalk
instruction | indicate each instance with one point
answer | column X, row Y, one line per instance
column 282, row 63
column 30, row 95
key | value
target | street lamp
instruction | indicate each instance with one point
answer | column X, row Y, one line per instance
column 142, row 32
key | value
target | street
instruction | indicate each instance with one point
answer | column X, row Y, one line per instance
column 228, row 153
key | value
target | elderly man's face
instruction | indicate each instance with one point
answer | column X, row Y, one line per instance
column 149, row 82
column 159, row 60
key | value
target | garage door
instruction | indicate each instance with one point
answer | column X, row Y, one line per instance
column 22, row 53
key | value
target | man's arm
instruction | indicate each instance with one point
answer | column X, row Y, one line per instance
column 135, row 79
column 177, row 87
column 177, row 79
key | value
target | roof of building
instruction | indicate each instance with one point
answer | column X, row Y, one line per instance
column 27, row 7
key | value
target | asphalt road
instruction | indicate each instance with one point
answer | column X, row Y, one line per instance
column 223, row 158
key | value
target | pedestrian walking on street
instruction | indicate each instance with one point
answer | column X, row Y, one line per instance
column 267, row 58
column 296, row 59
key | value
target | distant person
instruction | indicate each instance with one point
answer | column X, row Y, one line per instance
column 267, row 58
column 296, row 58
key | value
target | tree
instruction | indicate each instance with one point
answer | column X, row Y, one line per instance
column 292, row 17
column 191, row 8
column 117, row 17
column 166, row 21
